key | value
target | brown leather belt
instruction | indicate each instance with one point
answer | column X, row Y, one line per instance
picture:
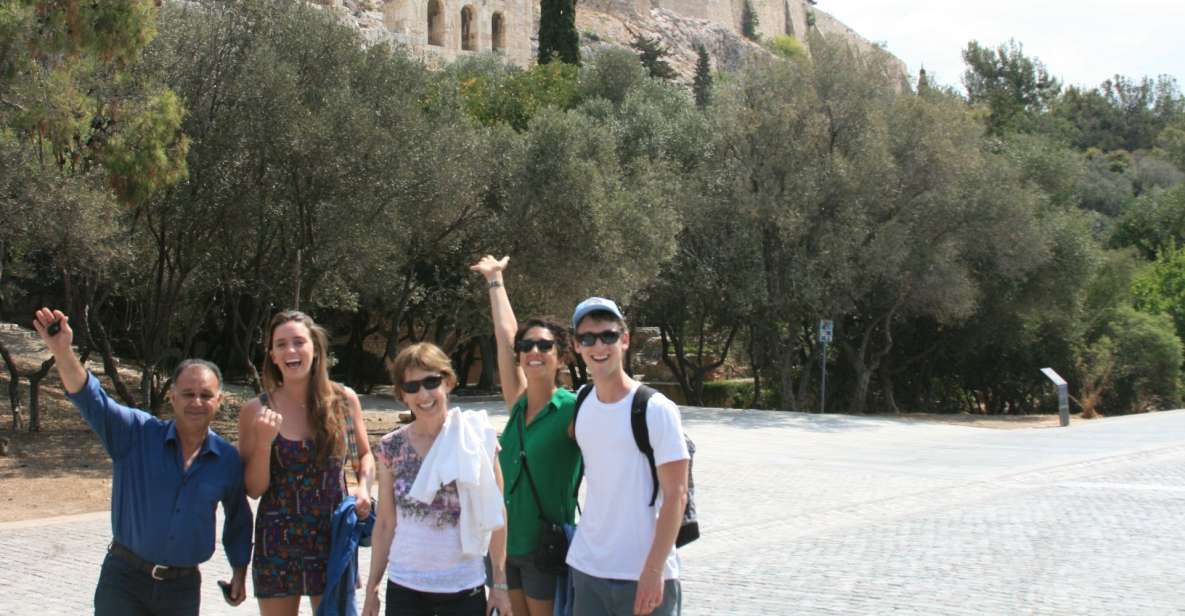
column 158, row 572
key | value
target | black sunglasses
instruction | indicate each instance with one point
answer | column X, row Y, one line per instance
column 608, row 337
column 526, row 344
column 429, row 383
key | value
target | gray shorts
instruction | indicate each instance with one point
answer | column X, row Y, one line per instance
column 596, row 596
column 522, row 573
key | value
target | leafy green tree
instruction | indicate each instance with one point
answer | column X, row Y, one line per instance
column 493, row 92
column 1152, row 222
column 68, row 91
column 615, row 221
column 1011, row 86
column 1122, row 113
column 701, row 85
column 611, row 75
column 651, row 52
column 1160, row 287
column 558, row 38
column 1148, row 359
column 82, row 131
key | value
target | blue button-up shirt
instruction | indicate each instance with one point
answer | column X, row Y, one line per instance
column 159, row 510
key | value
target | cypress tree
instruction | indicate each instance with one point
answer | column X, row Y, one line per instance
column 749, row 21
column 701, row 85
column 558, row 38
column 651, row 52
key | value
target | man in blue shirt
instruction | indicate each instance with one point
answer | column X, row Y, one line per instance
column 169, row 478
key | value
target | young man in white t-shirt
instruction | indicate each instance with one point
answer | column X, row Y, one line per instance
column 622, row 558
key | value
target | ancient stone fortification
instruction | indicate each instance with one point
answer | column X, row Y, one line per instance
column 442, row 30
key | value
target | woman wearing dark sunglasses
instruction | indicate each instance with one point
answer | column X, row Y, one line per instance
column 422, row 540
column 530, row 357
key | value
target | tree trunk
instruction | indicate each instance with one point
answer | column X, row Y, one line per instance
column 147, row 386
column 886, row 382
column 673, row 343
column 860, row 392
column 757, row 365
column 35, row 394
column 489, row 361
column 243, row 337
column 110, row 368
column 14, row 388
column 397, row 318
column 804, row 378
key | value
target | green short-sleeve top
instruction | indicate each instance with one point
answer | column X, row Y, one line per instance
column 554, row 460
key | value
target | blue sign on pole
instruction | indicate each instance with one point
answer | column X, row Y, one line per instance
column 825, row 336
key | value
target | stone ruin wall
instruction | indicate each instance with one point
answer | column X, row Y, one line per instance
column 434, row 30
column 680, row 24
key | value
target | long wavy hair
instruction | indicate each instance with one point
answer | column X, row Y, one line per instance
column 326, row 404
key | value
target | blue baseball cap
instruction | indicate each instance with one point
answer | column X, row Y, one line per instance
column 593, row 304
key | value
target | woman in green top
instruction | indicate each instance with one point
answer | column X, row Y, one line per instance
column 529, row 359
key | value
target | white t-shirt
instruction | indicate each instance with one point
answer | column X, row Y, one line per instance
column 617, row 527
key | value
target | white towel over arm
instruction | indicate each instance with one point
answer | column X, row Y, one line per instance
column 464, row 452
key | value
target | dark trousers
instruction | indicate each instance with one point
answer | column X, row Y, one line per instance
column 403, row 601
column 126, row 591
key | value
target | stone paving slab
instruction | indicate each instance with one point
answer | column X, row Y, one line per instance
column 811, row 514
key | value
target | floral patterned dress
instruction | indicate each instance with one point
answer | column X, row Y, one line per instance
column 425, row 552
column 292, row 525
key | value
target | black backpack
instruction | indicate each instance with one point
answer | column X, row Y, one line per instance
column 689, row 528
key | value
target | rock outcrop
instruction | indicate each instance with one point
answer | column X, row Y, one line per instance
column 716, row 24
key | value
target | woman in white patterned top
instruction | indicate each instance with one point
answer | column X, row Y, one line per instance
column 418, row 545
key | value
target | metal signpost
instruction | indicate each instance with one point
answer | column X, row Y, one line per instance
column 825, row 336
column 1063, row 394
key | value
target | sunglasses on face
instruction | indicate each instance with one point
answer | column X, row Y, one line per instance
column 526, row 344
column 589, row 339
column 429, row 383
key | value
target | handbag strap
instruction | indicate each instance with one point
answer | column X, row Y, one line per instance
column 522, row 455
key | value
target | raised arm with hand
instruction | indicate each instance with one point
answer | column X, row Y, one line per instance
column 258, row 427
column 70, row 370
column 514, row 382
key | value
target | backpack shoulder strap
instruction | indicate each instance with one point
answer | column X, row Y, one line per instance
column 581, row 396
column 642, row 432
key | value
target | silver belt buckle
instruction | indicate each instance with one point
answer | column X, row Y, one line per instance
column 154, row 575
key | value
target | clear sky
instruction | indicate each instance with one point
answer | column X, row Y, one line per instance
column 1081, row 42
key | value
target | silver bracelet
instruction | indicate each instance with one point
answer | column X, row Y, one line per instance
column 497, row 586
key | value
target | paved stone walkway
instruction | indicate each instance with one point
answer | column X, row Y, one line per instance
column 809, row 514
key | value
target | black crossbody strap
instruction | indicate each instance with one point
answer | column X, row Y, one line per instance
column 522, row 456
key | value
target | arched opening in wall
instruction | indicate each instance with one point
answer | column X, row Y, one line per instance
column 468, row 29
column 498, row 31
column 435, row 22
